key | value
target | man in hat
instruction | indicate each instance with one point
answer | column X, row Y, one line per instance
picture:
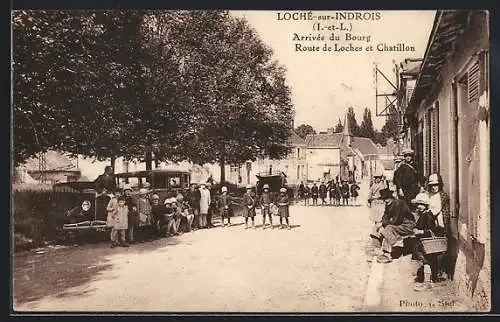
column 205, row 201
column 213, row 204
column 406, row 178
column 265, row 201
column 397, row 222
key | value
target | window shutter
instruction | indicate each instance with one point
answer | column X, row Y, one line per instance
column 435, row 138
column 473, row 82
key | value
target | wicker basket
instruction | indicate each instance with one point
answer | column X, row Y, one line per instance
column 433, row 245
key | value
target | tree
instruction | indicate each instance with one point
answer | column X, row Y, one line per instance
column 353, row 124
column 390, row 129
column 339, row 127
column 243, row 106
column 304, row 129
column 366, row 128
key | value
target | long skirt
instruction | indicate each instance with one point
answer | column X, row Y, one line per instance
column 392, row 234
column 377, row 210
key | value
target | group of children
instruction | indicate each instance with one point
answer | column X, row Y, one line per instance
column 399, row 228
column 269, row 205
column 146, row 217
column 340, row 192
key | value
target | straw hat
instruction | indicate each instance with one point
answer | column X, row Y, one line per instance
column 433, row 179
column 266, row 186
column 224, row 189
column 421, row 199
column 143, row 191
column 283, row 190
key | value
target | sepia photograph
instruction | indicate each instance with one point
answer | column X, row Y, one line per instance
column 250, row 161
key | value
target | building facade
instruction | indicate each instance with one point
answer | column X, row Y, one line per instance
column 448, row 122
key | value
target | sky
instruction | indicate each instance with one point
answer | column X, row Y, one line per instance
column 324, row 84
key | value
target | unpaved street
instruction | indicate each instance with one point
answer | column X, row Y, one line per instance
column 318, row 265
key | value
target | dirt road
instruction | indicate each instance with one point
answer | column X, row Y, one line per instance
column 319, row 266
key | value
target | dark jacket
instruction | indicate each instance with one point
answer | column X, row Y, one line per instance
column 249, row 200
column 407, row 179
column 322, row 190
column 314, row 191
column 396, row 213
column 354, row 190
column 265, row 199
column 344, row 189
column 427, row 222
column 105, row 181
column 193, row 198
column 225, row 200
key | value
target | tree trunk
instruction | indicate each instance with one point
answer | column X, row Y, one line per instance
column 113, row 161
column 149, row 158
column 222, row 163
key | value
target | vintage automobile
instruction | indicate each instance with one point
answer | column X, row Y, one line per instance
column 80, row 209
column 165, row 183
column 275, row 180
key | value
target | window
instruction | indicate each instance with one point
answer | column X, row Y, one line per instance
column 298, row 153
column 431, row 141
column 298, row 172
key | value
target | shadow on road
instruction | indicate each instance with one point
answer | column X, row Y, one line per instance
column 58, row 272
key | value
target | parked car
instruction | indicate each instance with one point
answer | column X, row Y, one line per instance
column 275, row 180
column 79, row 208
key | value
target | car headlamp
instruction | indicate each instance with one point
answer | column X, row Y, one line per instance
column 86, row 205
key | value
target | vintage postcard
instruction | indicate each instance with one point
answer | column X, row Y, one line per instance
column 251, row 161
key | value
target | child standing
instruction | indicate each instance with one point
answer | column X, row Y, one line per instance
column 249, row 202
column 344, row 190
column 119, row 215
column 265, row 201
column 354, row 193
column 283, row 208
column 225, row 206
column 144, row 209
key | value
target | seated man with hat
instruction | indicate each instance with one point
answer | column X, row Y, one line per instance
column 397, row 222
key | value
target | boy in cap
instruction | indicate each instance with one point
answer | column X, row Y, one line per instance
column 322, row 192
column 283, row 208
column 225, row 206
column 344, row 190
column 249, row 210
column 425, row 226
column 265, row 201
column 314, row 194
